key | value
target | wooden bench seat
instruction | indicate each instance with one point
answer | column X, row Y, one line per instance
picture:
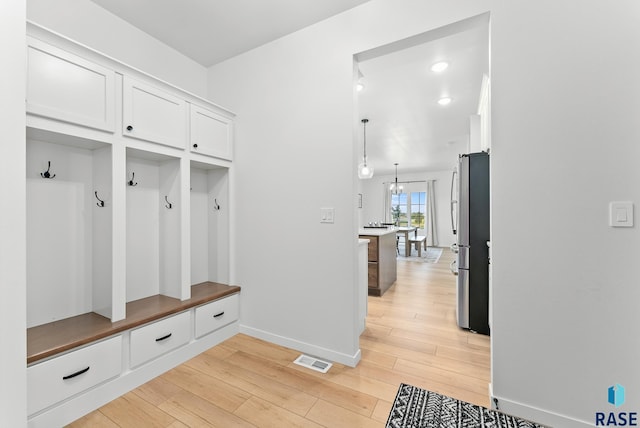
column 418, row 242
column 63, row 335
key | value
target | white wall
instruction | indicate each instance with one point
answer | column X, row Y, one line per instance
column 564, row 97
column 13, row 399
column 89, row 24
column 294, row 154
column 373, row 200
column 59, row 232
column 565, row 142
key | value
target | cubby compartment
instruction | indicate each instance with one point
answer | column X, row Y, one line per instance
column 69, row 229
column 209, row 223
column 153, row 226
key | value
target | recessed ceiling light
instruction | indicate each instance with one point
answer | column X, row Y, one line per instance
column 439, row 66
column 444, row 101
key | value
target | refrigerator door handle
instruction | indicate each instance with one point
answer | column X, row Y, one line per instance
column 454, row 248
column 454, row 268
column 463, row 202
column 453, row 202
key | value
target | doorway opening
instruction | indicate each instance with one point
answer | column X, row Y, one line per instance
column 423, row 115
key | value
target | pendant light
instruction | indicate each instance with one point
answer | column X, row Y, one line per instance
column 365, row 170
column 395, row 188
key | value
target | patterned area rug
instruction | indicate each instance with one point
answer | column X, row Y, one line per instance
column 431, row 255
column 418, row 408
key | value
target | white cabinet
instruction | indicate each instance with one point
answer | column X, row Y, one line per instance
column 363, row 283
column 94, row 243
column 121, row 221
column 54, row 380
column 68, row 88
column 152, row 114
column 214, row 315
column 211, row 134
column 155, row 339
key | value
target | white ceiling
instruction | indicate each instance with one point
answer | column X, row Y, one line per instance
column 210, row 31
column 406, row 125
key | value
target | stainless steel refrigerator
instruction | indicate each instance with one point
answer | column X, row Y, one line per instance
column 470, row 224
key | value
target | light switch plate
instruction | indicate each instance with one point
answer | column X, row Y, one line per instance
column 327, row 215
column 621, row 214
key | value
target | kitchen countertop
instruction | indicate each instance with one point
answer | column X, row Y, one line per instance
column 376, row 232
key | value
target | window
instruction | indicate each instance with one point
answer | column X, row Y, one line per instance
column 399, row 209
column 409, row 209
column 418, row 209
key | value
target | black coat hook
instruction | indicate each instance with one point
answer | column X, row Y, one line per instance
column 130, row 182
column 100, row 201
column 47, row 174
column 170, row 204
column 216, row 205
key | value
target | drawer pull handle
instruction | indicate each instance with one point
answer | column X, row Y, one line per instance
column 219, row 315
column 163, row 337
column 78, row 373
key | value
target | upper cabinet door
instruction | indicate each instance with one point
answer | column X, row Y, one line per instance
column 211, row 133
column 151, row 114
column 68, row 88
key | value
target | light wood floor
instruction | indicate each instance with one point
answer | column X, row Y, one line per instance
column 411, row 337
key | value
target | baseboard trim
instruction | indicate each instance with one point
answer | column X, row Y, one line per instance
column 537, row 415
column 307, row 348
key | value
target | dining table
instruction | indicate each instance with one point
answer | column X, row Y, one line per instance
column 405, row 230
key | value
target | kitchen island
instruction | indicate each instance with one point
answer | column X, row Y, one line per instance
column 382, row 266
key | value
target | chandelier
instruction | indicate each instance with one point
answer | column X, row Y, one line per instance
column 395, row 188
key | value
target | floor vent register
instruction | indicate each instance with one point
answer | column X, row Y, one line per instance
column 313, row 363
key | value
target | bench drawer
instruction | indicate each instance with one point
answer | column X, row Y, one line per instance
column 215, row 315
column 155, row 339
column 62, row 377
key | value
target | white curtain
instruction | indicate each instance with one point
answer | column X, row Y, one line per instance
column 431, row 223
column 386, row 197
